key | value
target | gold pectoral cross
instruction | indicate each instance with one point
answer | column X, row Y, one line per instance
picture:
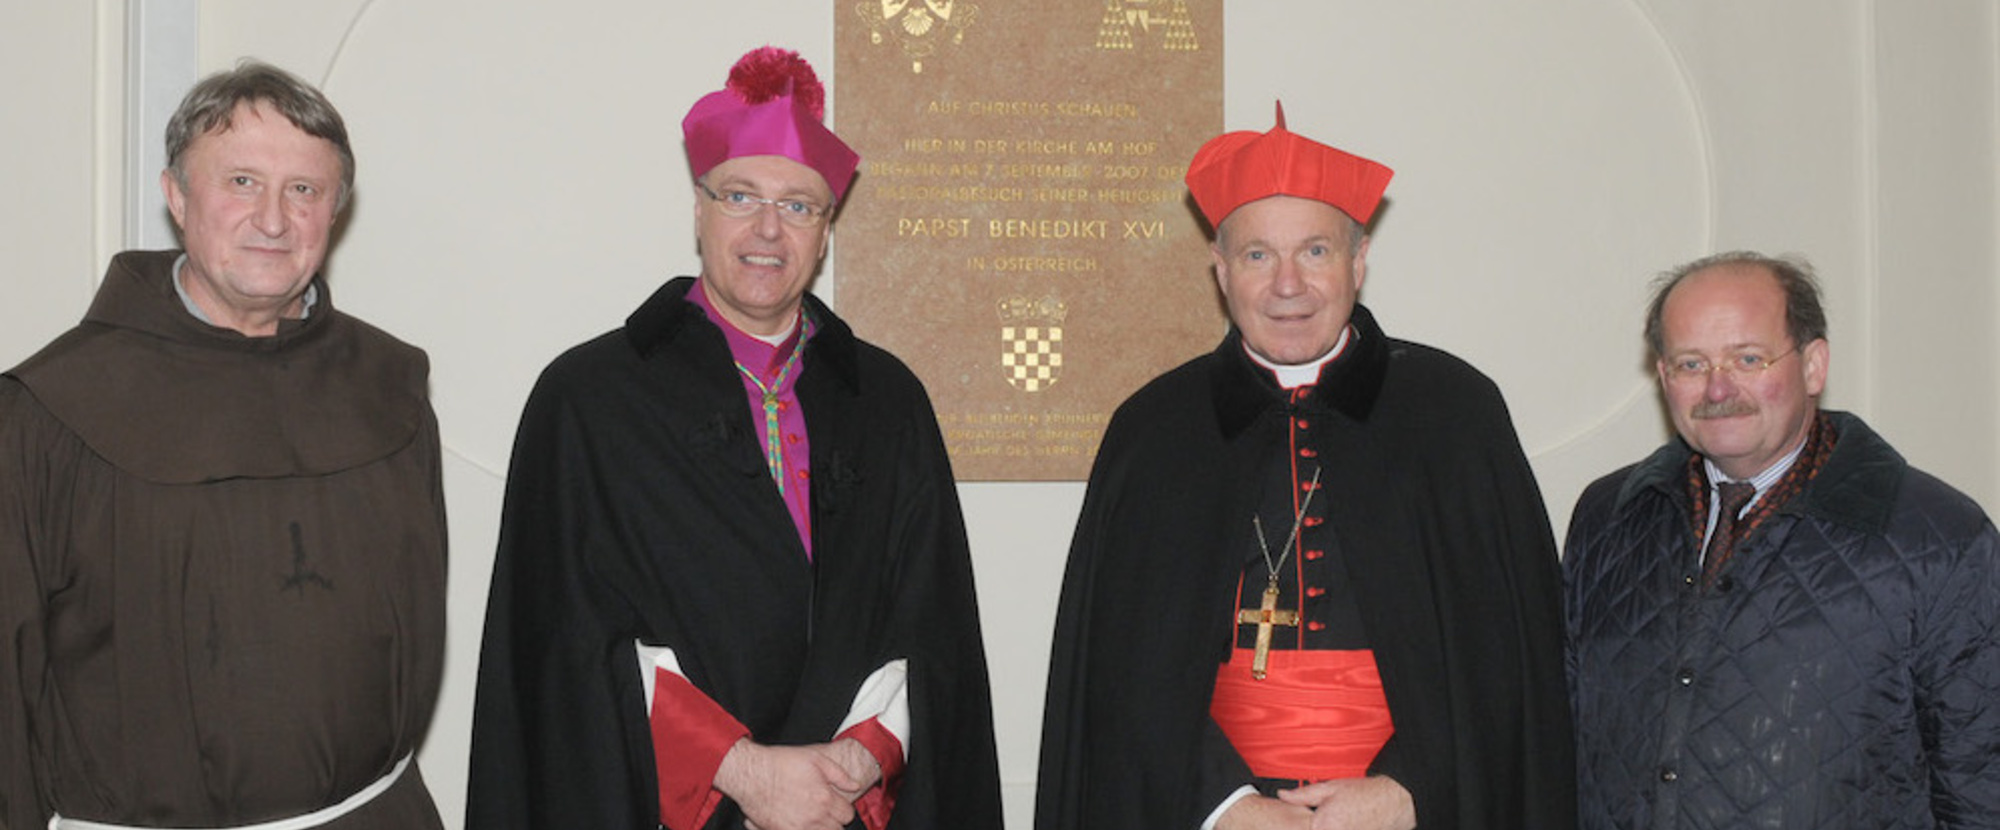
column 1266, row 615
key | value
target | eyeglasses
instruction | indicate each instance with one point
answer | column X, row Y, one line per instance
column 739, row 204
column 1740, row 365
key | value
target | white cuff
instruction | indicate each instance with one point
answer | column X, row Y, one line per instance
column 652, row 659
column 1215, row 815
column 884, row 696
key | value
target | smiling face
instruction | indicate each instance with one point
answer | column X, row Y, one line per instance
column 1744, row 421
column 255, row 209
column 1290, row 271
column 755, row 269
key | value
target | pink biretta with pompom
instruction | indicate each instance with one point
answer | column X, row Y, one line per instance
column 1234, row 169
column 772, row 106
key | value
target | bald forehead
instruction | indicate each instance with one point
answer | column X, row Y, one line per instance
column 1733, row 291
column 1738, row 272
column 1735, row 280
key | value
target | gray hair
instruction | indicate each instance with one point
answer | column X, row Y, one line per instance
column 211, row 106
column 1805, row 318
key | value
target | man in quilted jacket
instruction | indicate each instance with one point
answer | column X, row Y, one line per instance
column 1775, row 621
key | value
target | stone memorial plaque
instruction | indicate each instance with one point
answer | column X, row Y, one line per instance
column 1020, row 233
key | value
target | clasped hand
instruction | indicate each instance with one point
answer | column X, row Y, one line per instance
column 797, row 787
column 1372, row 803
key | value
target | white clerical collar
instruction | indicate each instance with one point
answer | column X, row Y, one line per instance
column 305, row 302
column 776, row 339
column 1295, row 375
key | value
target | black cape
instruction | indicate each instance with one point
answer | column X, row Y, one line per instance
column 639, row 507
column 1441, row 526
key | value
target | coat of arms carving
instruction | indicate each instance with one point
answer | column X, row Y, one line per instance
column 919, row 25
column 1031, row 335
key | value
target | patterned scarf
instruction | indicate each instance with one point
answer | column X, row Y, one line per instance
column 1819, row 445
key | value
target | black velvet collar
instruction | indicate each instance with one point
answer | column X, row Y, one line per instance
column 667, row 315
column 1349, row 384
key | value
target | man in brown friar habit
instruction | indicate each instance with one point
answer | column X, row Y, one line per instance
column 733, row 585
column 222, row 530
column 1313, row 583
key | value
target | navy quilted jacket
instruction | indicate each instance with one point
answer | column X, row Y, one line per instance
column 1844, row 672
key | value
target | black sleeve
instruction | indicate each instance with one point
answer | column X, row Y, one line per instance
column 551, row 746
column 1222, row 771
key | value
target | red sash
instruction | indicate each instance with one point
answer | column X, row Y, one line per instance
column 1316, row 715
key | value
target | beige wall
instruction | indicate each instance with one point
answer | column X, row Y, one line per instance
column 49, row 158
column 521, row 188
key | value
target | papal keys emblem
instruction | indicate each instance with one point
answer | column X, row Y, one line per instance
column 1031, row 341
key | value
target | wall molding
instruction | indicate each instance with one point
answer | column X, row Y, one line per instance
column 161, row 62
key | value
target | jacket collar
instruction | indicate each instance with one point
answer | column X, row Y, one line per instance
column 668, row 315
column 1348, row 384
column 1857, row 487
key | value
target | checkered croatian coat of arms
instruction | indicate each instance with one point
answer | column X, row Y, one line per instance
column 1031, row 334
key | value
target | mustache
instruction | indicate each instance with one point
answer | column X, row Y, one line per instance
column 1722, row 409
